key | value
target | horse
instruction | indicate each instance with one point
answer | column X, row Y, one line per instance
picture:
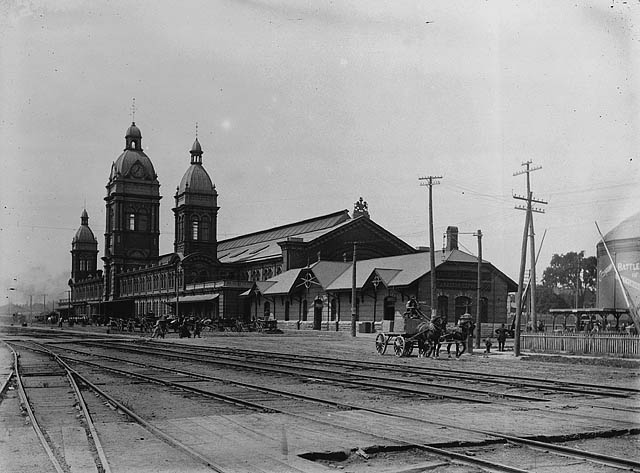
column 429, row 333
column 458, row 335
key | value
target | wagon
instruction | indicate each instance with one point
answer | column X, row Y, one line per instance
column 404, row 338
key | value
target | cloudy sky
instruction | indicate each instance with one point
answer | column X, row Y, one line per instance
column 304, row 106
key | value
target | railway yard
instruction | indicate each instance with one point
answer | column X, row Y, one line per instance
column 304, row 402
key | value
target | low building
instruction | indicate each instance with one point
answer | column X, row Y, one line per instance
column 318, row 295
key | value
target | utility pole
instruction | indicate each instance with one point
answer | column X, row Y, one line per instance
column 578, row 280
column 430, row 181
column 478, row 321
column 530, row 209
column 523, row 263
column 353, row 292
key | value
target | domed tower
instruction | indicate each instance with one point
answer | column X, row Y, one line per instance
column 196, row 210
column 133, row 212
column 84, row 251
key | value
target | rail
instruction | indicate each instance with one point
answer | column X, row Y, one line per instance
column 613, row 344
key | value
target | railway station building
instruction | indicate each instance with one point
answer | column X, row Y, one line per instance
column 298, row 273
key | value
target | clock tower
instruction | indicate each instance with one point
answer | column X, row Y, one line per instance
column 132, row 211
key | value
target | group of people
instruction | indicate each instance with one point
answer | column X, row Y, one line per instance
column 185, row 327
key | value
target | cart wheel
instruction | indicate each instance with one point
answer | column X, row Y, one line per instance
column 399, row 346
column 381, row 345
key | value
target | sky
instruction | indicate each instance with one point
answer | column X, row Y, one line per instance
column 304, row 106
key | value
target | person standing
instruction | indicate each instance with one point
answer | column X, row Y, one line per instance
column 502, row 337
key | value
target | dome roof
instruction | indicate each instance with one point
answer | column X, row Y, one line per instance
column 84, row 233
column 196, row 148
column 133, row 131
column 133, row 164
column 628, row 228
column 196, row 179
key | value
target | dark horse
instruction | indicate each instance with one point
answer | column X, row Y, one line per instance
column 458, row 336
column 429, row 336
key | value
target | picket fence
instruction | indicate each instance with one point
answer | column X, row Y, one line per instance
column 583, row 344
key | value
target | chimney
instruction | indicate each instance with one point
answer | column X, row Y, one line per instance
column 452, row 238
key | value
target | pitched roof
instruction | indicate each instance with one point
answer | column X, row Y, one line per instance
column 264, row 244
column 401, row 270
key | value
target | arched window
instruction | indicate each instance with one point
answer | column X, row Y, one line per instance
column 180, row 228
column 463, row 306
column 132, row 221
column 194, row 228
column 286, row 310
column 204, row 231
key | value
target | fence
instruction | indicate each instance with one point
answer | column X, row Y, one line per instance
column 583, row 344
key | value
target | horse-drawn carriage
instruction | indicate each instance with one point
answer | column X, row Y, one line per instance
column 414, row 330
column 405, row 333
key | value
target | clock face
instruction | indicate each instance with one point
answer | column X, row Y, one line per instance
column 137, row 170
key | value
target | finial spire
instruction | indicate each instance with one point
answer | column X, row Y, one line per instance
column 196, row 130
column 133, row 110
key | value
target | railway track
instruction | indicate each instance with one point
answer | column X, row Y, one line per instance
column 396, row 388
column 66, row 429
column 478, row 384
column 448, row 452
column 509, row 380
column 478, row 456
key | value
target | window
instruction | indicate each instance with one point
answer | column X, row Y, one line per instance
column 334, row 308
column 142, row 222
column 304, row 310
column 194, row 228
column 204, row 234
column 266, row 310
column 286, row 310
column 463, row 306
column 180, row 228
column 132, row 221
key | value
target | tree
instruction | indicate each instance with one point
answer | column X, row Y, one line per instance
column 571, row 274
column 547, row 299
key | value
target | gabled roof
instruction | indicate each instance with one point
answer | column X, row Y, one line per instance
column 264, row 244
column 401, row 270
column 327, row 271
column 283, row 282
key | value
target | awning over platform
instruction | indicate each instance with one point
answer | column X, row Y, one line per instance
column 194, row 299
